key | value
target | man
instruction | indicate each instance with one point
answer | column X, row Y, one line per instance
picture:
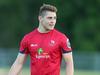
column 46, row 46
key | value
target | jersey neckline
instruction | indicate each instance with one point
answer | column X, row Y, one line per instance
column 43, row 33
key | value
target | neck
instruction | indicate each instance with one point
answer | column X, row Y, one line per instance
column 41, row 29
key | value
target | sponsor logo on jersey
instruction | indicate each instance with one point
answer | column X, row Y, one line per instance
column 40, row 51
column 41, row 54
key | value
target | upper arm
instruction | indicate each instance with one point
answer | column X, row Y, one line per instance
column 21, row 58
column 23, row 51
column 68, row 57
column 66, row 49
column 65, row 45
column 24, row 45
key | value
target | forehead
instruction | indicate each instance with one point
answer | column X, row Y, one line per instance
column 50, row 14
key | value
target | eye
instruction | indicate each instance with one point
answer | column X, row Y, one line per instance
column 49, row 17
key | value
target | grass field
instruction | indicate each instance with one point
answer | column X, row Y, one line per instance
column 25, row 71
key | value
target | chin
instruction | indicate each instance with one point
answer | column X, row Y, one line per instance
column 51, row 28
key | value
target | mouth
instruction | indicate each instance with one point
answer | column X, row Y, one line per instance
column 51, row 24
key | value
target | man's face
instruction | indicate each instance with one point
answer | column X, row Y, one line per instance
column 48, row 21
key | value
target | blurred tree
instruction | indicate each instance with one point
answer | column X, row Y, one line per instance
column 79, row 19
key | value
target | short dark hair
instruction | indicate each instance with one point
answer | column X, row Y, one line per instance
column 47, row 7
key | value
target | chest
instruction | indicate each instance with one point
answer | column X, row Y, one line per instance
column 44, row 44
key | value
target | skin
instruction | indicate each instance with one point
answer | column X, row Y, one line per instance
column 46, row 23
column 18, row 64
column 69, row 63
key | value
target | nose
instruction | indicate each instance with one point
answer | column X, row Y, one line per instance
column 51, row 22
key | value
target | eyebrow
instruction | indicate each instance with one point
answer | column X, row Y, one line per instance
column 51, row 17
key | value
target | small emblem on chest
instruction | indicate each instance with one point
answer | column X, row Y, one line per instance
column 52, row 42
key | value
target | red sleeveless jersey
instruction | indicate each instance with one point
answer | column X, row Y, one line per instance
column 45, row 50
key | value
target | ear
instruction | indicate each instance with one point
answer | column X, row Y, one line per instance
column 39, row 18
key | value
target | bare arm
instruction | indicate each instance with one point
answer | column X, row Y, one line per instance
column 17, row 65
column 69, row 63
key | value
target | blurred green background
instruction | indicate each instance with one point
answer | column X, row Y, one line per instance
column 78, row 19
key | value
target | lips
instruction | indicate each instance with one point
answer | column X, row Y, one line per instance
column 51, row 24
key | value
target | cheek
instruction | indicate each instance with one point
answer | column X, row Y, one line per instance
column 45, row 21
column 55, row 21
